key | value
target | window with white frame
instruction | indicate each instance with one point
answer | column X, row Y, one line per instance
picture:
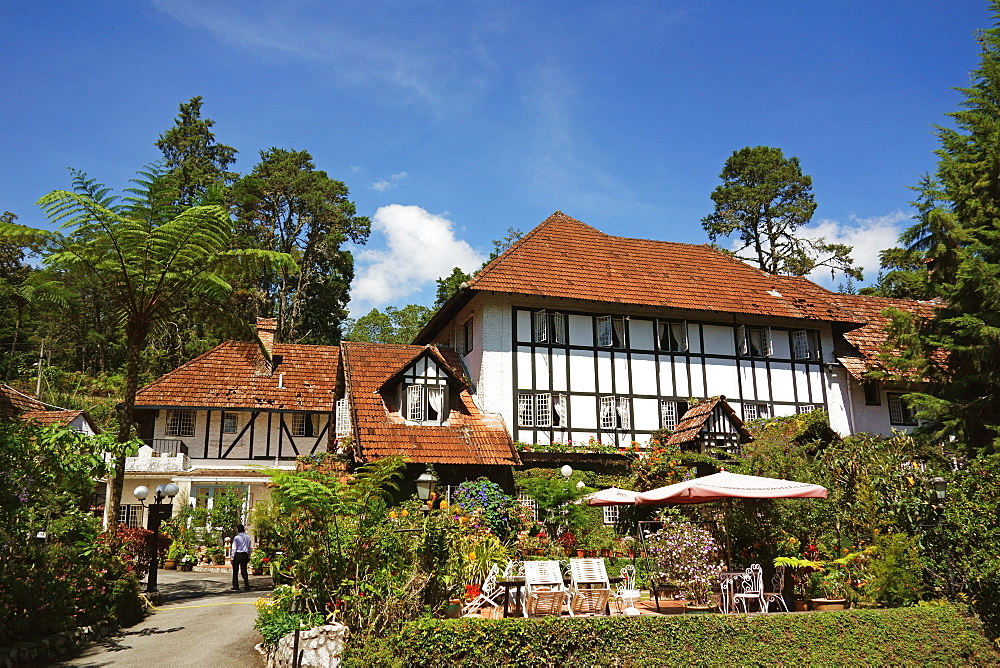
column 807, row 408
column 541, row 329
column 754, row 341
column 467, row 334
column 611, row 514
column 624, row 413
column 610, row 332
column 671, row 336
column 558, row 328
column 535, row 410
column 529, row 503
column 302, row 425
column 756, row 411
column 130, row 515
column 343, row 417
column 230, row 423
column 609, row 416
column 805, row 345
column 425, row 403
column 180, row 423
column 559, row 410
column 899, row 412
column 671, row 412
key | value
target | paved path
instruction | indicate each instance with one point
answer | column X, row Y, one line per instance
column 201, row 622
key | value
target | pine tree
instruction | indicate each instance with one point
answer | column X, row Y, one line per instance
column 958, row 231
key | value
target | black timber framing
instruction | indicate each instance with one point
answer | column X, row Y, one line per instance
column 754, row 365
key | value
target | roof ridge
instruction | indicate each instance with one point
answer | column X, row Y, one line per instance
column 555, row 217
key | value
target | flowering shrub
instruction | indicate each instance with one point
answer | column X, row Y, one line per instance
column 687, row 556
column 500, row 511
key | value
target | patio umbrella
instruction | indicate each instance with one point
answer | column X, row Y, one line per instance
column 726, row 485
column 612, row 496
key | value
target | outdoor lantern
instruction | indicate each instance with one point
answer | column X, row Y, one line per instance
column 425, row 485
column 140, row 492
column 171, row 489
column 580, row 485
column 940, row 486
column 159, row 510
column 566, row 470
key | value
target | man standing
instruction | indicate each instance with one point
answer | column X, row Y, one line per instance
column 240, row 556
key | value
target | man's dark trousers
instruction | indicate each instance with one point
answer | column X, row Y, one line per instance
column 240, row 561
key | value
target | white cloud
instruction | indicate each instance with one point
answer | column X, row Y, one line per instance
column 382, row 184
column 420, row 248
column 868, row 236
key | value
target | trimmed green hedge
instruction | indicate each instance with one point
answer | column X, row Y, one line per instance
column 931, row 635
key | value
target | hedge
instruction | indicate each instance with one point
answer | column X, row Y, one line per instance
column 930, row 635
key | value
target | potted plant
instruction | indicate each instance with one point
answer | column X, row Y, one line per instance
column 187, row 562
column 687, row 556
column 174, row 554
column 830, row 580
column 217, row 555
column 257, row 560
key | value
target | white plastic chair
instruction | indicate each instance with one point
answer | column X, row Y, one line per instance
column 628, row 593
column 489, row 593
column 777, row 594
column 753, row 589
column 591, row 587
column 544, row 591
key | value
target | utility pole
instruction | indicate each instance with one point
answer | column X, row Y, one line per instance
column 38, row 381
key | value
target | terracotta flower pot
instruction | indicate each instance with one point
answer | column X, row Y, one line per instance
column 825, row 604
column 169, row 564
column 692, row 609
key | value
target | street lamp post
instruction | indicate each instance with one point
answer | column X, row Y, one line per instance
column 940, row 493
column 158, row 511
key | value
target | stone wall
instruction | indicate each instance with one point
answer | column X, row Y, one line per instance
column 321, row 647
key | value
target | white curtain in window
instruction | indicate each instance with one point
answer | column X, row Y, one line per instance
column 435, row 397
column 623, row 413
column 678, row 332
column 619, row 325
column 662, row 342
column 741, row 339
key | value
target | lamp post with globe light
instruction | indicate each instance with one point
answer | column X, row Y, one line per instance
column 159, row 510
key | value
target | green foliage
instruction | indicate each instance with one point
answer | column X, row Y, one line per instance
column 941, row 635
column 274, row 621
column 449, row 285
column 764, row 198
column 288, row 206
column 391, row 326
column 555, row 496
column 227, row 510
column 894, row 574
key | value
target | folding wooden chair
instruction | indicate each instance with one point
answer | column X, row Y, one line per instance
column 544, row 591
column 591, row 588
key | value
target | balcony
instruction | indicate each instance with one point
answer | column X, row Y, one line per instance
column 167, row 447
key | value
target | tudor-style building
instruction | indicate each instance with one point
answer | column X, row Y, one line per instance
column 224, row 418
column 572, row 335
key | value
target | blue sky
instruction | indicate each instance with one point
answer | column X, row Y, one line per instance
column 452, row 121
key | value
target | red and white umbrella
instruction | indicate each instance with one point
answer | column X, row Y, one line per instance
column 612, row 496
column 726, row 485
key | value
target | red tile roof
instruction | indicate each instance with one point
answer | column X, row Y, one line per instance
column 867, row 342
column 470, row 437
column 563, row 257
column 227, row 377
column 13, row 403
column 59, row 418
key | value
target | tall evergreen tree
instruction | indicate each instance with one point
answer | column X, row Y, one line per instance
column 764, row 199
column 287, row 205
column 194, row 159
column 958, row 232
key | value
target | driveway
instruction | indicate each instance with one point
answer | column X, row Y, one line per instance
column 201, row 622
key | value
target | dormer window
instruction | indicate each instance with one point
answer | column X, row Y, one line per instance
column 425, row 404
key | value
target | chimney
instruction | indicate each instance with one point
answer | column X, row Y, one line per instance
column 266, row 328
